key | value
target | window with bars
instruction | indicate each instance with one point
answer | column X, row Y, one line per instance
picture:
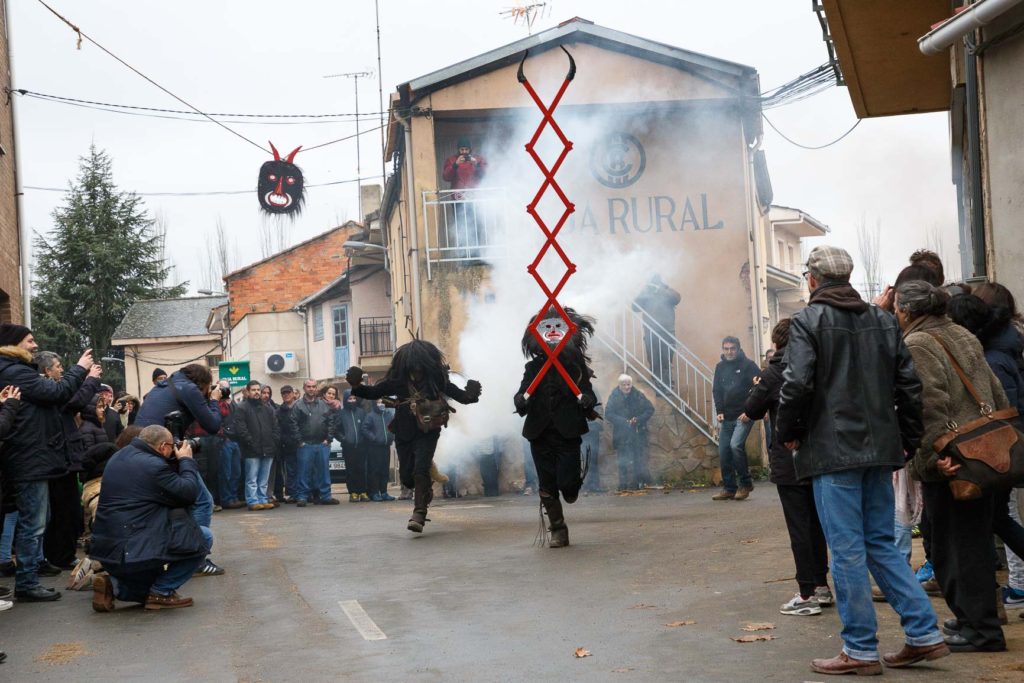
column 318, row 322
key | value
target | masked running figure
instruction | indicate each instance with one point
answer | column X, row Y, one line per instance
column 555, row 419
column 418, row 383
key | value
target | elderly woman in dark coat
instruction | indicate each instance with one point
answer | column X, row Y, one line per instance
column 961, row 530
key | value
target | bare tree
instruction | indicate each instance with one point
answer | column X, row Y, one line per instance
column 868, row 247
column 266, row 238
column 950, row 262
column 218, row 258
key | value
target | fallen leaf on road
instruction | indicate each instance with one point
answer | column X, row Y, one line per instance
column 748, row 541
column 643, row 605
column 675, row 624
column 631, row 493
column 753, row 639
column 581, row 652
column 766, row 626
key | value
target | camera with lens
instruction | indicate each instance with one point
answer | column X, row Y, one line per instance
column 175, row 423
column 225, row 392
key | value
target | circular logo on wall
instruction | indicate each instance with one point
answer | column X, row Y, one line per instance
column 617, row 160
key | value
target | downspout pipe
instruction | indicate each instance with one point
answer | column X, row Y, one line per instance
column 978, row 246
column 417, row 300
column 24, row 243
column 974, row 17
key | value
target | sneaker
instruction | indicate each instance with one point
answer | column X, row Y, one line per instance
column 925, row 572
column 1013, row 598
column 5, row 605
column 385, row 496
column 208, row 568
column 290, row 501
column 353, row 497
column 376, row 498
column 363, row 498
column 798, row 606
column 300, row 503
column 528, row 491
column 824, row 596
column 172, row 601
column 217, row 508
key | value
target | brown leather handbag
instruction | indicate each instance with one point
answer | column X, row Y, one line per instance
column 431, row 414
column 989, row 449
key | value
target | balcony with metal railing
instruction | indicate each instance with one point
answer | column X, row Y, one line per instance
column 463, row 226
column 375, row 338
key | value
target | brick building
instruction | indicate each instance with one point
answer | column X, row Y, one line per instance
column 10, row 244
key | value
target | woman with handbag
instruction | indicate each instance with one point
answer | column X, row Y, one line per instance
column 958, row 389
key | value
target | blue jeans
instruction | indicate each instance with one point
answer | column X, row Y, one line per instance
column 257, row 474
column 230, row 471
column 7, row 536
column 136, row 585
column 732, row 454
column 904, row 538
column 313, row 471
column 857, row 508
column 33, row 501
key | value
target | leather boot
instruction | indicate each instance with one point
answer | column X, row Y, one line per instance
column 559, row 530
column 422, row 496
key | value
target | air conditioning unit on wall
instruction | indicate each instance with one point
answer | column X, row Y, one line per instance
column 280, row 362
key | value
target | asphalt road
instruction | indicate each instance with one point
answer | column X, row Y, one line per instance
column 345, row 593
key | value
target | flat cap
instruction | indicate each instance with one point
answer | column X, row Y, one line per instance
column 833, row 263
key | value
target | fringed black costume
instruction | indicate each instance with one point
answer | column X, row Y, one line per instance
column 555, row 418
column 418, row 382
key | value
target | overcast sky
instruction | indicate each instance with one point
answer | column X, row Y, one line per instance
column 270, row 57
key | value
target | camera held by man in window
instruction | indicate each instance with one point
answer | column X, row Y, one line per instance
column 174, row 422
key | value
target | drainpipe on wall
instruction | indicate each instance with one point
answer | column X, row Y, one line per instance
column 978, row 245
column 24, row 244
column 305, row 338
column 415, row 238
column 757, row 266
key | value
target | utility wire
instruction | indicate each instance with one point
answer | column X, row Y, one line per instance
column 794, row 142
column 203, row 194
column 61, row 98
column 83, row 34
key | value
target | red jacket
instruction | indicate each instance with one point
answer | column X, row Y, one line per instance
column 466, row 174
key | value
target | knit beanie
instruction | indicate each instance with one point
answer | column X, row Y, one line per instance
column 12, row 335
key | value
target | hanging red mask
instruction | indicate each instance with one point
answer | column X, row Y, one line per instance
column 280, row 186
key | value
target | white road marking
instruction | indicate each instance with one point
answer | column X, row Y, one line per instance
column 361, row 620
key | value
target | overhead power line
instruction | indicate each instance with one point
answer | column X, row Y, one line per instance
column 205, row 194
column 794, row 142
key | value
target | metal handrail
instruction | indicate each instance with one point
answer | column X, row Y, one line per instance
column 650, row 352
column 464, row 225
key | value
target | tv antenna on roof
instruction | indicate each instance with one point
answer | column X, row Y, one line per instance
column 525, row 15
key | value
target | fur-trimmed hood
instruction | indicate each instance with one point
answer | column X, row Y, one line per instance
column 17, row 353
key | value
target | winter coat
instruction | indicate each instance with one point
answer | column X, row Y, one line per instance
column 621, row 408
column 142, row 519
column 466, row 174
column 161, row 401
column 659, row 302
column 37, row 448
column 256, row 427
column 288, row 429
column 91, row 432
column 552, row 404
column 313, row 420
column 8, row 411
column 850, row 395
column 112, row 424
column 95, row 460
column 404, row 426
column 733, row 380
column 374, row 429
column 1003, row 351
column 72, row 432
column 346, row 423
column 764, row 400
column 944, row 397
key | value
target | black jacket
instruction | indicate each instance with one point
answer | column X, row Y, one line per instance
column 621, row 409
column 95, row 460
column 850, row 394
column 288, row 429
column 91, row 432
column 72, row 432
column 553, row 404
column 161, row 400
column 141, row 520
column 1003, row 351
column 374, row 428
column 37, row 448
column 764, row 400
column 312, row 420
column 404, row 425
column 347, row 422
column 733, row 379
column 112, row 424
column 256, row 428
column 7, row 414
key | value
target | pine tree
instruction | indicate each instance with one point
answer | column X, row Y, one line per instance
column 102, row 256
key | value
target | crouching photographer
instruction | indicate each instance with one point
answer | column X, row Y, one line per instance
column 178, row 401
column 143, row 534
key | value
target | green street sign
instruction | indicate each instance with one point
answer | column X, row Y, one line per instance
column 236, row 372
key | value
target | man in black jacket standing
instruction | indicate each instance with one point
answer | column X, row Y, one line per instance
column 36, row 450
column 143, row 534
column 850, row 411
column 258, row 436
column 734, row 376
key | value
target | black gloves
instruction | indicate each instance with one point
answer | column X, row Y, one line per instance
column 473, row 389
column 520, row 402
column 587, row 402
column 354, row 376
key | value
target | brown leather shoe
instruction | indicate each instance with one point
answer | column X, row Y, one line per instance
column 172, row 601
column 102, row 594
column 724, row 495
column 877, row 595
column 843, row 664
column 932, row 588
column 742, row 494
column 912, row 654
column 234, row 505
